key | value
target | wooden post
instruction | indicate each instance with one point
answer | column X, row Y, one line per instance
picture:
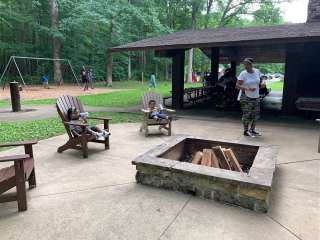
column 291, row 78
column 15, row 96
column 109, row 69
column 178, row 79
column 214, row 65
column 233, row 67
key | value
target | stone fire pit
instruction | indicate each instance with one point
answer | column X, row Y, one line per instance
column 165, row 166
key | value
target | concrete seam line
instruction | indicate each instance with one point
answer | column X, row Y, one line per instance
column 174, row 219
column 292, row 233
column 83, row 190
column 305, row 190
column 308, row 160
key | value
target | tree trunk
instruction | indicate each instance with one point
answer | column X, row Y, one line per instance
column 190, row 70
column 109, row 69
column 129, row 68
column 57, row 74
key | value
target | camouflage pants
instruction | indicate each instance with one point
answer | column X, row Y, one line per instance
column 250, row 110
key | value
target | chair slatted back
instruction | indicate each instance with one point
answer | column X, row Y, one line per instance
column 63, row 104
column 146, row 97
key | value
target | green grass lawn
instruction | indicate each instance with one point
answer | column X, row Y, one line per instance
column 46, row 128
column 130, row 96
column 276, row 86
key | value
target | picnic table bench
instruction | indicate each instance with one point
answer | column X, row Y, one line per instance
column 308, row 104
column 193, row 94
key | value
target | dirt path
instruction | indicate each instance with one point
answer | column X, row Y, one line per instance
column 38, row 92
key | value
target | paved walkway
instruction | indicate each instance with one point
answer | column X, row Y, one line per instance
column 48, row 111
column 97, row 198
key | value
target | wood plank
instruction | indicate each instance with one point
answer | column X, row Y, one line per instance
column 197, row 158
column 233, row 160
column 214, row 160
column 223, row 161
column 206, row 157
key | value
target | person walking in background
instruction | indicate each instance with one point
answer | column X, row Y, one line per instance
column 84, row 78
column 45, row 81
column 248, row 82
column 90, row 78
column 152, row 81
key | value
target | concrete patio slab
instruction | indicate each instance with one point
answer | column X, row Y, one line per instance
column 97, row 198
column 201, row 219
column 119, row 212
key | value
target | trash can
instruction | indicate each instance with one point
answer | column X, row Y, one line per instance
column 15, row 96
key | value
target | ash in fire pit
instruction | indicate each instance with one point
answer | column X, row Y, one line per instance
column 239, row 174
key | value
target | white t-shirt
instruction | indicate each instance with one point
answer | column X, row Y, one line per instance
column 250, row 80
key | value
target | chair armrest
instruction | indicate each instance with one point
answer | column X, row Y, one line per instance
column 169, row 110
column 318, row 120
column 16, row 144
column 76, row 124
column 145, row 111
column 100, row 118
column 14, row 158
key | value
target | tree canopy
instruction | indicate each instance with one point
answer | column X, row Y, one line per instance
column 87, row 28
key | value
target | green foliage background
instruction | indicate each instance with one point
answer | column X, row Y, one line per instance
column 88, row 28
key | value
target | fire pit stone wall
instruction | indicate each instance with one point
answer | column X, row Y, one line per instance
column 249, row 190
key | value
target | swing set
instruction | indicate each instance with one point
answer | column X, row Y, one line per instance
column 13, row 60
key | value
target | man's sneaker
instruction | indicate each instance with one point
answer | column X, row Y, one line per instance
column 254, row 132
column 248, row 134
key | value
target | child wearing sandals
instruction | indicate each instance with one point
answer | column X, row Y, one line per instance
column 76, row 117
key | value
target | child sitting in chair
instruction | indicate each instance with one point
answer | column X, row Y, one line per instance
column 156, row 113
column 76, row 117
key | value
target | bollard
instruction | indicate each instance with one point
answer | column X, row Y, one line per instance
column 15, row 96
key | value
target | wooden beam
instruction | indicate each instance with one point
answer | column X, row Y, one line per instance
column 293, row 71
column 178, row 79
column 215, row 64
column 233, row 66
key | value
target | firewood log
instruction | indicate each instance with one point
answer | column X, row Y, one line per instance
column 223, row 161
column 214, row 160
column 197, row 158
column 233, row 160
column 206, row 158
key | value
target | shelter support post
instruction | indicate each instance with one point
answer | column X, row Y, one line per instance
column 233, row 67
column 178, row 79
column 291, row 79
column 215, row 64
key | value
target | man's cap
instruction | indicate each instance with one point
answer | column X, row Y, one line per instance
column 248, row 60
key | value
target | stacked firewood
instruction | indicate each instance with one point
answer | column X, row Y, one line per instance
column 217, row 157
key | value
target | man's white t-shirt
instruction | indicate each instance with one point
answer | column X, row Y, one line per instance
column 250, row 80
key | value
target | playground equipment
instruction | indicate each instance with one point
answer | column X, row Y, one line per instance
column 13, row 59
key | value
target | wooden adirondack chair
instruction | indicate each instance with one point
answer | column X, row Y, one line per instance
column 78, row 142
column 147, row 121
column 17, row 174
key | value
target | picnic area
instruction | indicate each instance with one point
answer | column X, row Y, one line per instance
column 159, row 120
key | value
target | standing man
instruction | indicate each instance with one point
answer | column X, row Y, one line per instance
column 152, row 81
column 90, row 78
column 248, row 83
column 84, row 78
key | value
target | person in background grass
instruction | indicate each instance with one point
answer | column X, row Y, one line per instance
column 45, row 81
column 90, row 78
column 152, row 81
column 74, row 116
column 84, row 78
